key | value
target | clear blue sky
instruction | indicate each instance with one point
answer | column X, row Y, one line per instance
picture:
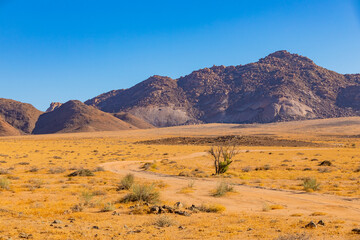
column 76, row 49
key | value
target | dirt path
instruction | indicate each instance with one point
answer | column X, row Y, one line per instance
column 246, row 198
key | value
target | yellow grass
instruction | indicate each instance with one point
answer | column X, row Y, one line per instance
column 39, row 191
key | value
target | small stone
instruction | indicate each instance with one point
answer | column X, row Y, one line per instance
column 356, row 230
column 183, row 213
column 56, row 222
column 178, row 205
column 95, row 227
column 249, row 229
column 181, row 227
column 310, row 225
column 321, row 222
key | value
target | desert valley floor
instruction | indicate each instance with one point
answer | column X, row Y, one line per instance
column 40, row 199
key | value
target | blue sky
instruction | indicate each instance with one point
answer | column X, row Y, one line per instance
column 60, row 50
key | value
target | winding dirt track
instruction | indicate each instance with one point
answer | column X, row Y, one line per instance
column 246, row 198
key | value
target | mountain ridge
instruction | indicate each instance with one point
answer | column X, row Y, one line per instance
column 279, row 87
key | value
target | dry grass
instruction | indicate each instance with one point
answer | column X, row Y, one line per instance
column 91, row 201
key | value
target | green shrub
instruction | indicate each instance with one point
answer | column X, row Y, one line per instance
column 310, row 184
column 142, row 193
column 127, row 182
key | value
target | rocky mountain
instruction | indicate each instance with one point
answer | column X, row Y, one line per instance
column 21, row 116
column 75, row 116
column 279, row 87
column 53, row 106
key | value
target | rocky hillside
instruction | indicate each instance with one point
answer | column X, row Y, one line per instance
column 135, row 121
column 7, row 130
column 75, row 116
column 279, row 87
column 21, row 116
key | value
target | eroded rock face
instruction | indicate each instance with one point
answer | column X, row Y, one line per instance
column 53, row 106
column 279, row 87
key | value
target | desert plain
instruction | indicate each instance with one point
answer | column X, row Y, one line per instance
column 266, row 196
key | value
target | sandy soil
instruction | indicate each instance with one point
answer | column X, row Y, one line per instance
column 246, row 198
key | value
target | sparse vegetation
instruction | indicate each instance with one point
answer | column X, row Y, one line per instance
column 127, row 182
column 142, row 193
column 311, row 184
column 4, row 183
column 212, row 208
column 164, row 221
column 222, row 156
column 222, row 189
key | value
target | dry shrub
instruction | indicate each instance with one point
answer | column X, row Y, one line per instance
column 142, row 193
column 310, row 184
column 164, row 221
column 222, row 189
column 212, row 208
column 4, row 183
column 127, row 182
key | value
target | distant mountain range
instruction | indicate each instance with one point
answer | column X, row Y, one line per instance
column 279, row 87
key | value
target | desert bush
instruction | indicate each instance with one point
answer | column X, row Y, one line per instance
column 108, row 207
column 295, row 236
column 142, row 193
column 87, row 197
column 99, row 169
column 34, row 169
column 213, row 208
column 56, row 170
column 164, row 221
column 78, row 207
column 4, row 171
column 81, row 173
column 246, row 169
column 23, row 163
column 310, row 184
column 191, row 184
column 4, row 183
column 222, row 156
column 222, row 189
column 127, row 182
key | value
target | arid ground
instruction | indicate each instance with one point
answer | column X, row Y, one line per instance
column 267, row 197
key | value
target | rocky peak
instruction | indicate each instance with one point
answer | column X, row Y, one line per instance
column 53, row 106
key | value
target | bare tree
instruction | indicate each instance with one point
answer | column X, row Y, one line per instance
column 222, row 156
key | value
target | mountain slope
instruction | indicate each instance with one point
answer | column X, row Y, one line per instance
column 75, row 116
column 22, row 116
column 7, row 130
column 131, row 119
column 279, row 87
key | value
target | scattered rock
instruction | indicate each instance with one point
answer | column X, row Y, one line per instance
column 178, row 205
column 325, row 163
column 321, row 222
column 95, row 227
column 183, row 213
column 356, row 230
column 181, row 227
column 310, row 225
column 56, row 222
